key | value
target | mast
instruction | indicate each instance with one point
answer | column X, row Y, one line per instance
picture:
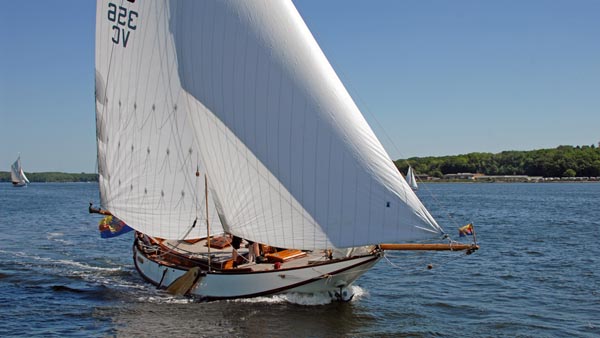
column 207, row 219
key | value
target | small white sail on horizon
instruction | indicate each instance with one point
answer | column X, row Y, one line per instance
column 17, row 175
column 411, row 179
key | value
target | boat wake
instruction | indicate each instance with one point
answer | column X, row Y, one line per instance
column 315, row 299
column 27, row 260
column 56, row 269
column 165, row 299
column 321, row 298
column 58, row 237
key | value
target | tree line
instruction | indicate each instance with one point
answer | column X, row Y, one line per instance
column 53, row 177
column 562, row 161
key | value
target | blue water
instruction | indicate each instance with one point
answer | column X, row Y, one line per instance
column 537, row 274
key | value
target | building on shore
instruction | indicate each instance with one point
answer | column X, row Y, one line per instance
column 513, row 178
column 462, row 176
column 509, row 178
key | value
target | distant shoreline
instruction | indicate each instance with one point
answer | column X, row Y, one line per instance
column 53, row 177
column 480, row 178
column 59, row 177
column 562, row 162
column 527, row 182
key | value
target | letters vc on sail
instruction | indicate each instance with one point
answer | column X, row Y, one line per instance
column 124, row 21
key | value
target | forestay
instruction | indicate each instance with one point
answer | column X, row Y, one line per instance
column 242, row 91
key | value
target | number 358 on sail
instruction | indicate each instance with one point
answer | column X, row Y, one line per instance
column 124, row 21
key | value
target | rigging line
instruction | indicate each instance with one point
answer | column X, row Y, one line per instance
column 191, row 106
column 208, row 117
column 256, row 120
column 172, row 119
column 315, row 175
column 242, row 256
column 247, row 133
column 291, row 173
column 268, row 122
column 200, row 158
column 435, row 200
column 395, row 265
column 391, row 141
column 414, row 268
column 348, row 83
column 279, row 183
column 454, row 258
column 182, row 238
column 158, row 12
column 430, row 265
column 200, row 155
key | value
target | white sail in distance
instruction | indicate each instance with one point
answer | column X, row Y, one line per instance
column 241, row 90
column 411, row 179
column 17, row 175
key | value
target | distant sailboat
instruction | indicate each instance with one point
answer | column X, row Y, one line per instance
column 17, row 175
column 225, row 117
column 411, row 180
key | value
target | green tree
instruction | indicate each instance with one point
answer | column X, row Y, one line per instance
column 569, row 173
column 595, row 168
column 542, row 162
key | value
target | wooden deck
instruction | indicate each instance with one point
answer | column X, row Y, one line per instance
column 199, row 250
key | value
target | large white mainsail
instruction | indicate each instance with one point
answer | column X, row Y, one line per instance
column 241, row 90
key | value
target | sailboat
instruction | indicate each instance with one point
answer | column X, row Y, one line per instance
column 17, row 175
column 411, row 180
column 223, row 120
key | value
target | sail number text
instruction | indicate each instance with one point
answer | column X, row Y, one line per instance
column 124, row 21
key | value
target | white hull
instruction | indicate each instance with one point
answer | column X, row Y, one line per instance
column 331, row 277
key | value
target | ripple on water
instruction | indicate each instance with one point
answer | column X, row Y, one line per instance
column 535, row 275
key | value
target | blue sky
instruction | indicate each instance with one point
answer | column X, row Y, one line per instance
column 443, row 77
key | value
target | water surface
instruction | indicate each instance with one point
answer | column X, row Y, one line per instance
column 537, row 274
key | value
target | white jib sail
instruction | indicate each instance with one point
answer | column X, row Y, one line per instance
column 242, row 90
column 23, row 176
column 150, row 172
